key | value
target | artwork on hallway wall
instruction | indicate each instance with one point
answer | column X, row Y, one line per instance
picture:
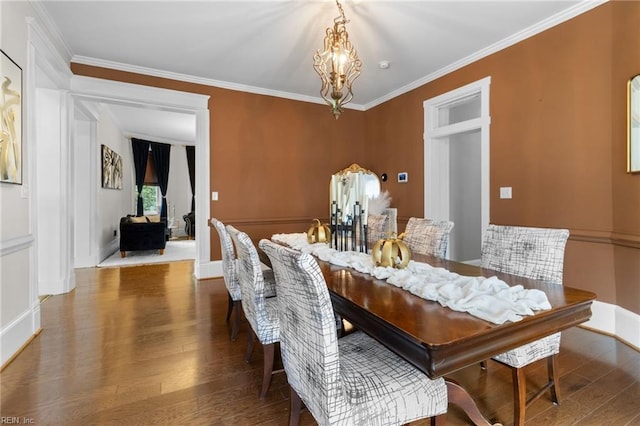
column 111, row 169
column 11, row 121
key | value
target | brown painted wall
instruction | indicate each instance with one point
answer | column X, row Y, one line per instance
column 271, row 158
column 558, row 117
column 557, row 137
column 626, row 187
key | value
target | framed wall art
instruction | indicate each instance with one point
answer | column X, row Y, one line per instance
column 10, row 120
column 633, row 125
column 111, row 169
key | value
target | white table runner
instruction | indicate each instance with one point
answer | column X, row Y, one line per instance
column 490, row 299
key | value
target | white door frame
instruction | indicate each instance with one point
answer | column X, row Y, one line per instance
column 436, row 150
column 114, row 92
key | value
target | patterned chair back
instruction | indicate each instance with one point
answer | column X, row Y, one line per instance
column 229, row 267
column 252, row 287
column 377, row 228
column 429, row 237
column 536, row 253
column 308, row 339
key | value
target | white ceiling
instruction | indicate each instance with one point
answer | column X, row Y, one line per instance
column 267, row 46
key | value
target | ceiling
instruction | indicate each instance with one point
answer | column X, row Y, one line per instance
column 267, row 46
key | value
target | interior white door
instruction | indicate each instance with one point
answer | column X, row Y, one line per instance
column 456, row 150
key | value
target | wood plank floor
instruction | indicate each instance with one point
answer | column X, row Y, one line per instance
column 149, row 345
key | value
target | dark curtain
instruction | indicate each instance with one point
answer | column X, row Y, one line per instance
column 140, row 155
column 161, row 153
column 191, row 163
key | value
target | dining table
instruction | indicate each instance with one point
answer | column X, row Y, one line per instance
column 438, row 340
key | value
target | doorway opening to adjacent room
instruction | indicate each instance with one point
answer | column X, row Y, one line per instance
column 456, row 162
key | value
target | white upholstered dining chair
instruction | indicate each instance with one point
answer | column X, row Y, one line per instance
column 377, row 228
column 230, row 276
column 260, row 311
column 426, row 236
column 353, row 380
column 536, row 253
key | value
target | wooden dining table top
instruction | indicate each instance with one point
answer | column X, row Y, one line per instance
column 437, row 339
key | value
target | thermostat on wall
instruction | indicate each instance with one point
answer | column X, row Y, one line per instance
column 403, row 177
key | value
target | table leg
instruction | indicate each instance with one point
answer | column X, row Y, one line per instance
column 460, row 397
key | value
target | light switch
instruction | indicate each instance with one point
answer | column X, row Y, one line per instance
column 214, row 196
column 505, row 192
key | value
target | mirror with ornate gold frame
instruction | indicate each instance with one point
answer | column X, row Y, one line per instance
column 350, row 191
column 633, row 125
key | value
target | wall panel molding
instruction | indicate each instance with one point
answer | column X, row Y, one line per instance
column 18, row 333
column 270, row 222
column 16, row 244
column 605, row 237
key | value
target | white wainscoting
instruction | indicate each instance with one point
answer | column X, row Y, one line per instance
column 617, row 321
column 19, row 295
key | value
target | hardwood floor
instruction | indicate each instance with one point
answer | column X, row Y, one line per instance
column 149, row 345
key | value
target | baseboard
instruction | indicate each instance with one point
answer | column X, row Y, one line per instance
column 616, row 321
column 18, row 333
column 106, row 251
column 60, row 286
column 211, row 269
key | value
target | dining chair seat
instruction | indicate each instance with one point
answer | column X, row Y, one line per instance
column 428, row 237
column 230, row 277
column 376, row 379
column 536, row 253
column 353, row 380
column 531, row 352
column 261, row 312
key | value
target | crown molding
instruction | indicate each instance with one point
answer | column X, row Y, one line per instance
column 85, row 60
column 535, row 29
column 52, row 29
column 541, row 26
column 169, row 141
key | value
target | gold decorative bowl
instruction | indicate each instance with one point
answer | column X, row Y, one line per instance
column 391, row 252
column 319, row 233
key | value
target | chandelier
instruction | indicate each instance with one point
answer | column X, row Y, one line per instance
column 337, row 65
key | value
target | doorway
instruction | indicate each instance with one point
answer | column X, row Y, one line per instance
column 456, row 150
column 88, row 93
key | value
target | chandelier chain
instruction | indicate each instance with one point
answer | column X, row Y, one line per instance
column 342, row 19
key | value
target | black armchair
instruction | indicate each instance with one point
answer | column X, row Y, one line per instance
column 190, row 224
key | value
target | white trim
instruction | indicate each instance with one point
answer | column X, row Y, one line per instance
column 15, row 334
column 48, row 57
column 128, row 93
column 545, row 24
column 53, row 29
column 436, row 150
column 86, row 113
column 13, row 245
column 615, row 320
column 541, row 26
column 85, row 60
column 211, row 269
column 156, row 138
column 109, row 91
column 203, row 205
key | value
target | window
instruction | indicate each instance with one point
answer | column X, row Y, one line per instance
column 151, row 196
column 151, row 199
